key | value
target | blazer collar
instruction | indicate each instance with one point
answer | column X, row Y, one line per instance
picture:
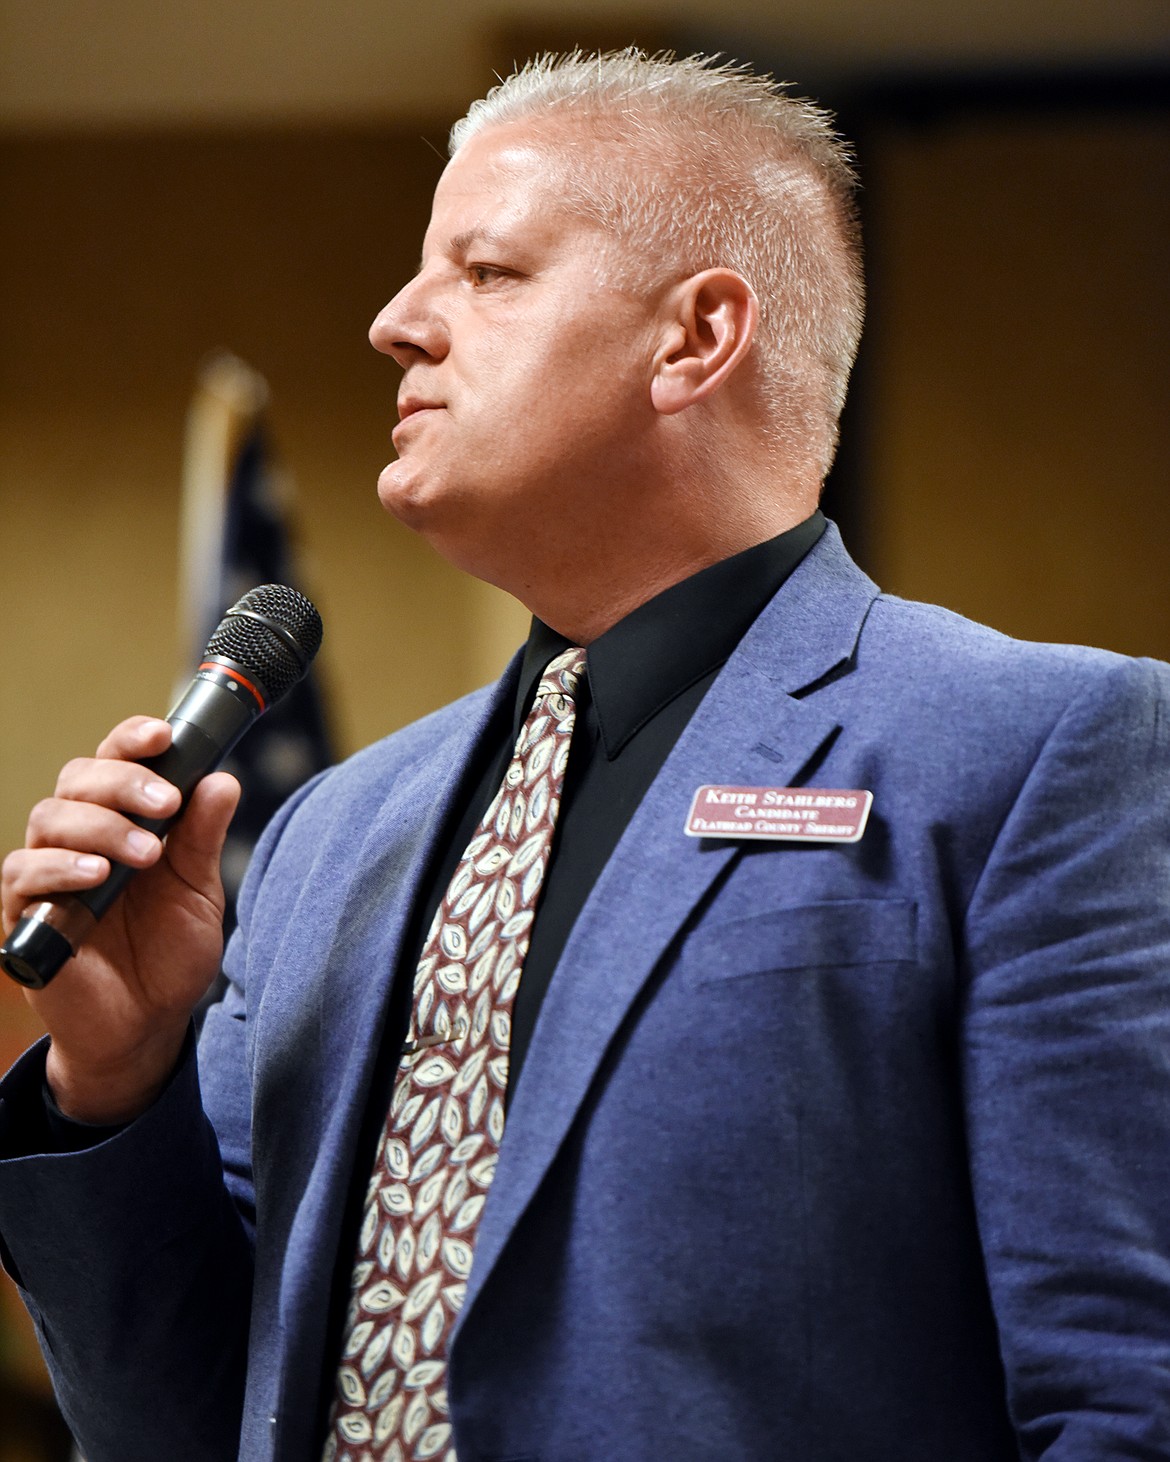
column 809, row 630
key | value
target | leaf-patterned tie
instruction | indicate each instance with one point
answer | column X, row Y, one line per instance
column 438, row 1149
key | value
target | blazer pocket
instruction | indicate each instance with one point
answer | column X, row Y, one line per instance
column 835, row 934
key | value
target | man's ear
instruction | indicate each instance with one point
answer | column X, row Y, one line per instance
column 712, row 320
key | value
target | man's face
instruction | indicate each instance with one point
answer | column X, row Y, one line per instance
column 524, row 406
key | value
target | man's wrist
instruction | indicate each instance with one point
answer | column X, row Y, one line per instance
column 66, row 1135
column 111, row 1094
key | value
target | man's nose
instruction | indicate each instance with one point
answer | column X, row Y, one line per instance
column 409, row 326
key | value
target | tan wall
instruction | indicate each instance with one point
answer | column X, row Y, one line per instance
column 1018, row 422
column 1020, row 332
column 125, row 260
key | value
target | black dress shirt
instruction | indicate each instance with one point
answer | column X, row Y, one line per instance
column 644, row 680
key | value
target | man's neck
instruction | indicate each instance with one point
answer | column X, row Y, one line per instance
column 597, row 586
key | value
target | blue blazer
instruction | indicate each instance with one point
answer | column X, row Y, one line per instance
column 837, row 1153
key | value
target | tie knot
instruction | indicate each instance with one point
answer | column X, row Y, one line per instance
column 562, row 674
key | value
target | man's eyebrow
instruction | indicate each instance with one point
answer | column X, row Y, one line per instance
column 460, row 243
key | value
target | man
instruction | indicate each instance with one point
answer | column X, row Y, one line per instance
column 825, row 1138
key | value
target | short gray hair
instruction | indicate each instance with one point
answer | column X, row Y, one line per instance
column 727, row 172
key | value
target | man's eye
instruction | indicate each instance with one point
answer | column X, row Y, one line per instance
column 483, row 273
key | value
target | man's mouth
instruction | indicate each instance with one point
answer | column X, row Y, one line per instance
column 412, row 406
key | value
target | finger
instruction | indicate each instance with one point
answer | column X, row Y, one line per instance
column 124, row 786
column 195, row 843
column 86, row 827
column 28, row 877
column 136, row 737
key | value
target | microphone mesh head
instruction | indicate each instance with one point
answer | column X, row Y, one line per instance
column 273, row 632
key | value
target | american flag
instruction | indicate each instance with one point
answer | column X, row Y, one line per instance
column 237, row 534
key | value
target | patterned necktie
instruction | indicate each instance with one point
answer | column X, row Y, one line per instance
column 438, row 1149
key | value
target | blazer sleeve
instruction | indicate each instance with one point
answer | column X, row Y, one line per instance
column 136, row 1269
column 135, row 1256
column 1066, row 1052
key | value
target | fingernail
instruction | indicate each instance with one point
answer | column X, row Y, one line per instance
column 88, row 864
column 140, row 842
column 156, row 793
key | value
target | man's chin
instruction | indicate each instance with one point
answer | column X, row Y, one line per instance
column 430, row 510
column 403, row 495
column 451, row 526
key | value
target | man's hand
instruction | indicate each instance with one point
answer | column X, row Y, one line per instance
column 118, row 1012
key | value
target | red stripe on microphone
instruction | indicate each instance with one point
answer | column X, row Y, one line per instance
column 235, row 675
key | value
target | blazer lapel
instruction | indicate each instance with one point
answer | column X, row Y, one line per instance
column 345, row 1016
column 749, row 730
column 364, row 954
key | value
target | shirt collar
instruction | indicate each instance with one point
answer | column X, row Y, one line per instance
column 667, row 644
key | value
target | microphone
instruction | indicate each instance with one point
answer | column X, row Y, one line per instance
column 262, row 647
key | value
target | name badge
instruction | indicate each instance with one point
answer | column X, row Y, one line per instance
column 780, row 814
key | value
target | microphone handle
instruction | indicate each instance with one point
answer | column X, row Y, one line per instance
column 214, row 712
